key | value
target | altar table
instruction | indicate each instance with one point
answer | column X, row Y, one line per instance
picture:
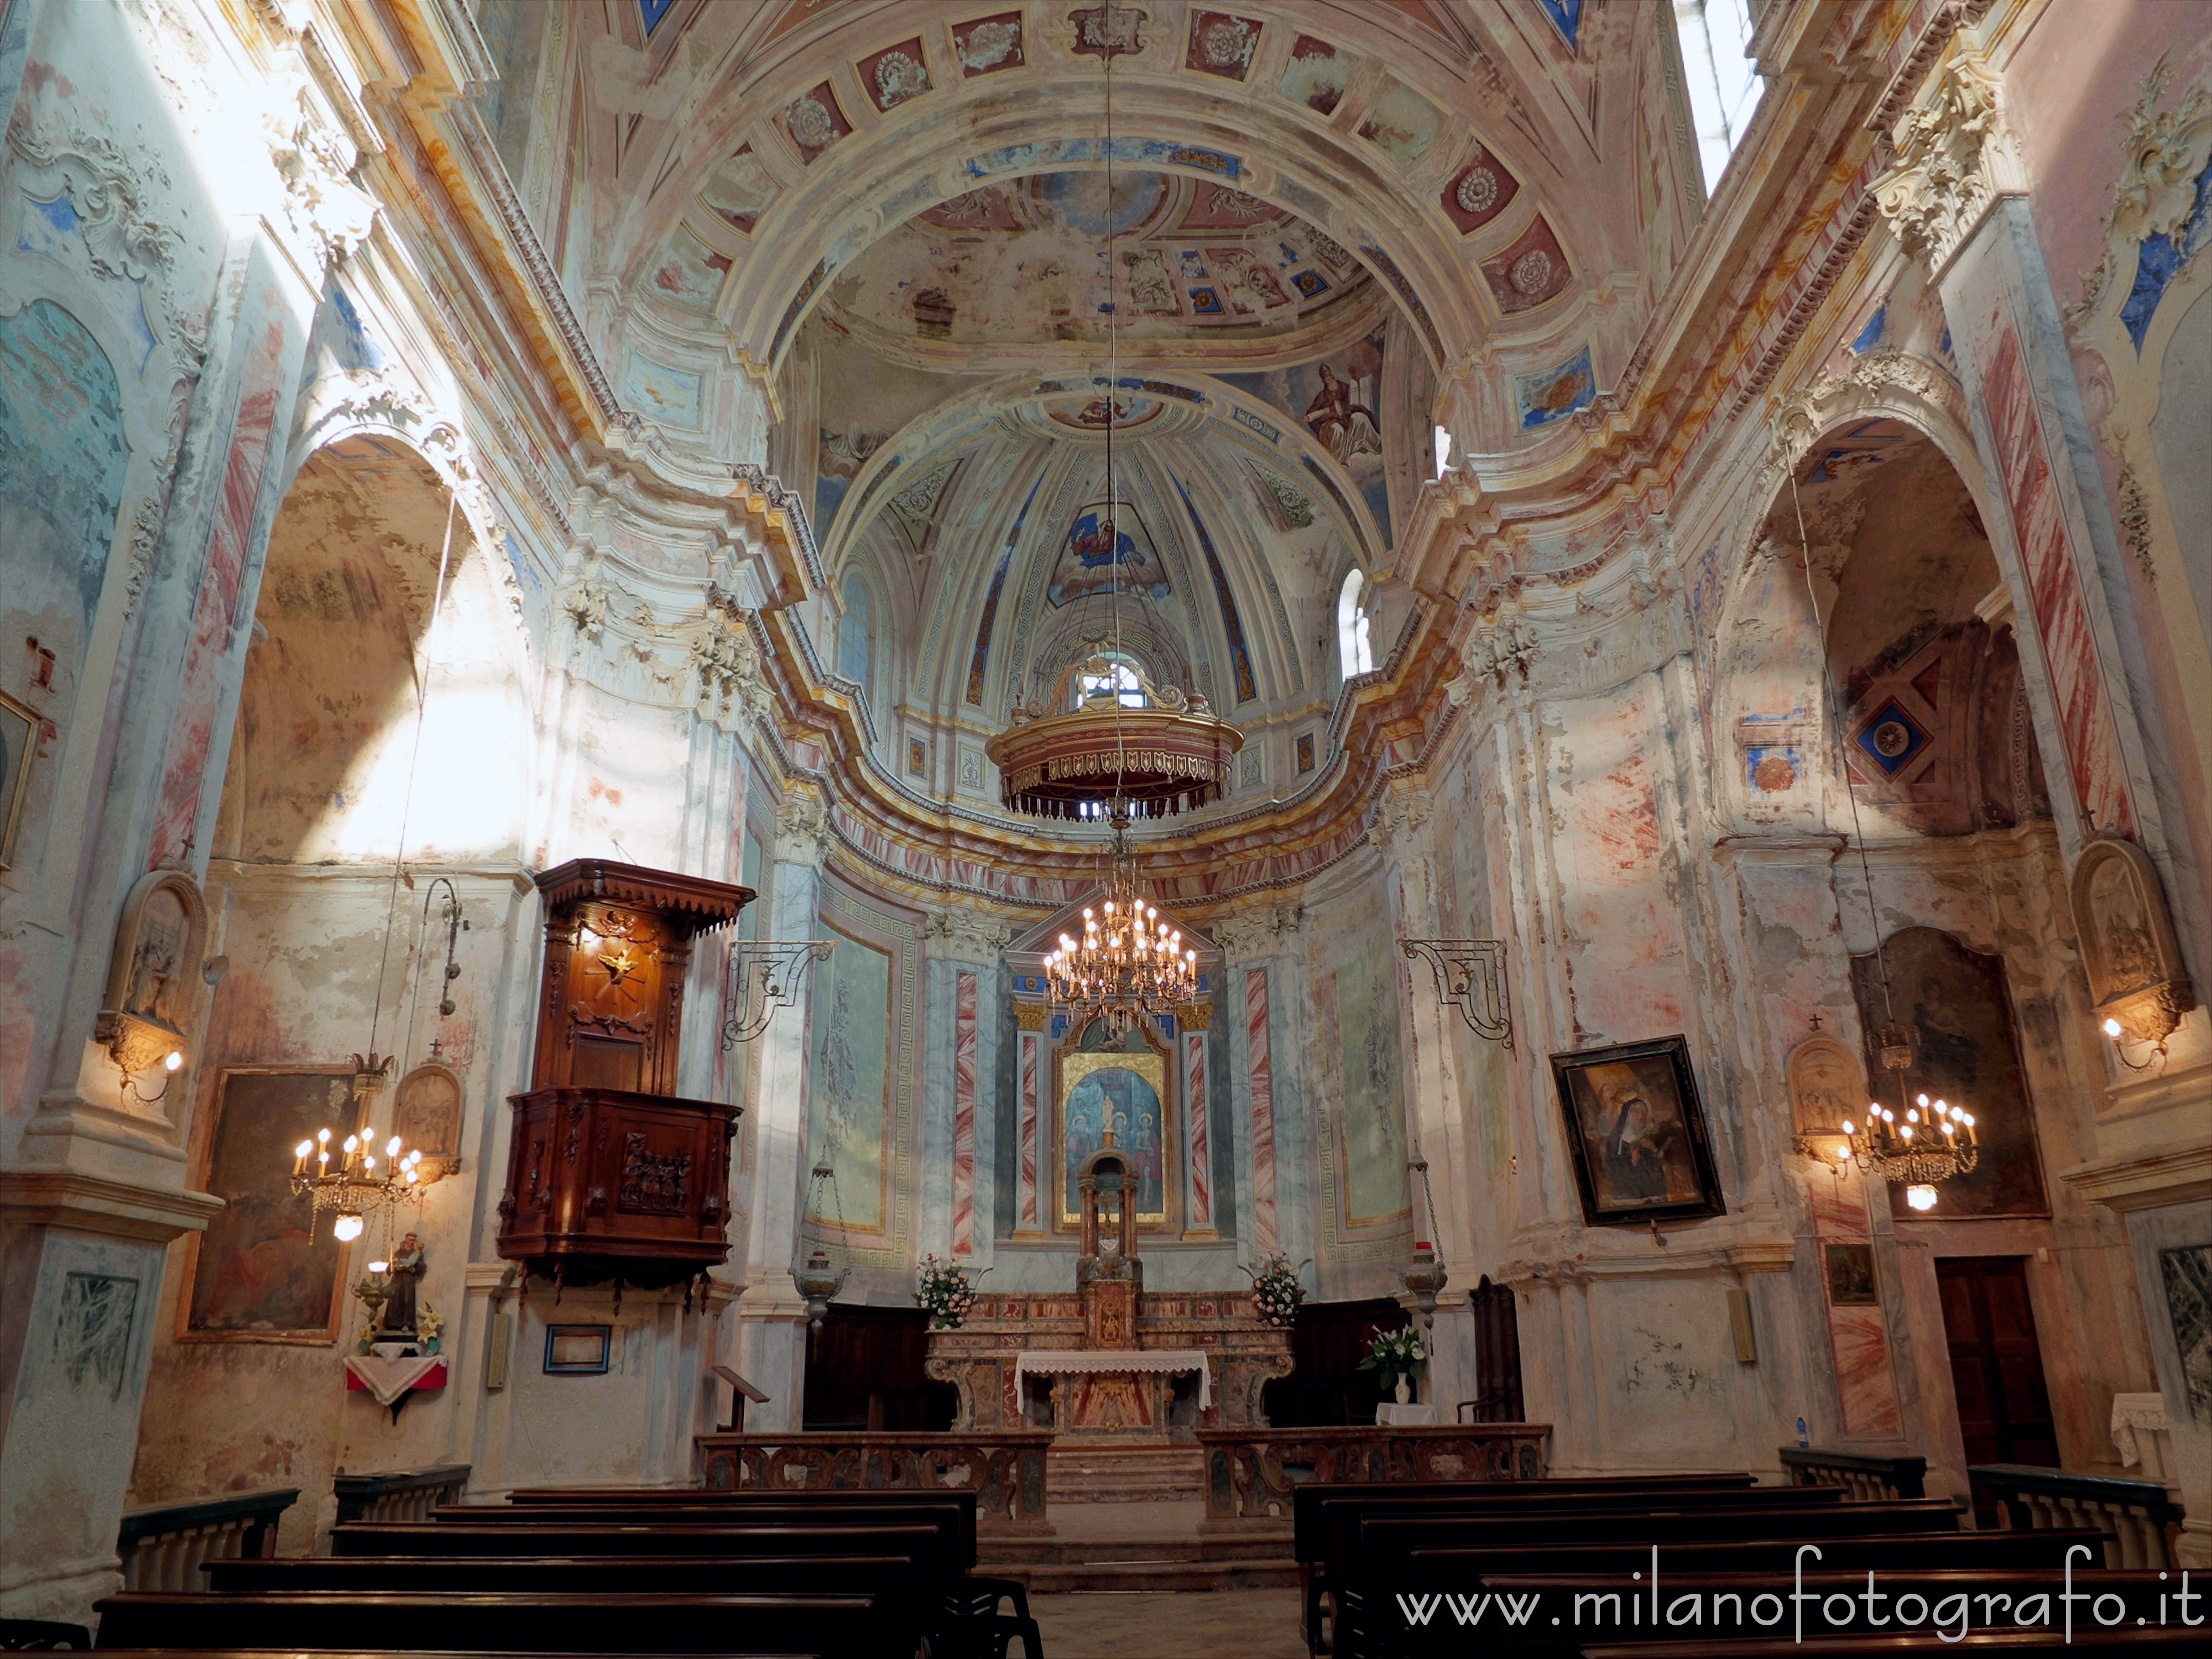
column 1061, row 1362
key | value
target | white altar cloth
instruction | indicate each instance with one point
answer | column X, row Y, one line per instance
column 386, row 1379
column 1060, row 1362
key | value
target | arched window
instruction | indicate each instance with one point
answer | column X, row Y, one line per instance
column 856, row 634
column 1355, row 652
column 1120, row 679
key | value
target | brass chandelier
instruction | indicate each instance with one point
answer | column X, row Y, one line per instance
column 1129, row 964
column 1934, row 1142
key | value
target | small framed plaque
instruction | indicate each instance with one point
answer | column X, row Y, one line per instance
column 578, row 1350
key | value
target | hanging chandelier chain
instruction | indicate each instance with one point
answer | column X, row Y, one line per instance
column 1835, row 711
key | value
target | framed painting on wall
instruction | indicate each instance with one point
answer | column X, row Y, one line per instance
column 19, row 742
column 1636, row 1134
column 1125, row 1090
column 263, row 1272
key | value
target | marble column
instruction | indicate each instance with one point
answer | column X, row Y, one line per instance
column 771, row 1322
column 1260, row 975
column 959, row 1143
column 1435, row 1122
column 97, row 1184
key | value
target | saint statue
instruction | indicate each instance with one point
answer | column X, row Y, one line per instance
column 397, row 1315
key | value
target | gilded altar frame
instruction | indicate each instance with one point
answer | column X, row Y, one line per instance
column 1070, row 1067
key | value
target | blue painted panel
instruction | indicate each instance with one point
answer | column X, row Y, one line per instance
column 651, row 11
column 62, row 453
column 1566, row 16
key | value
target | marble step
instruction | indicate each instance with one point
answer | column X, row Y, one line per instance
column 1096, row 1475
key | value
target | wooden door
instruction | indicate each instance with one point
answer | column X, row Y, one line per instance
column 1497, row 1355
column 864, row 1372
column 1325, row 1387
column 1997, row 1367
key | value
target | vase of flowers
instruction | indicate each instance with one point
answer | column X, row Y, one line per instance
column 429, row 1322
column 1276, row 1292
column 946, row 1290
column 1398, row 1352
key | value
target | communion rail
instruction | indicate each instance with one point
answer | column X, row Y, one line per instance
column 1005, row 1468
column 2141, row 1514
column 163, row 1544
column 1867, row 1479
column 1250, row 1474
column 399, row 1494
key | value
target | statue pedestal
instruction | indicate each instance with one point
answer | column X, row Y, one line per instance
column 1000, row 1361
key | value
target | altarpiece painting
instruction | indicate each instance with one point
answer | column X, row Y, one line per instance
column 1124, row 1088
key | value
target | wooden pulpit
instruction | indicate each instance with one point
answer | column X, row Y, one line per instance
column 611, row 1173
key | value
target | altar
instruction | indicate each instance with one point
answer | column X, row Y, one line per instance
column 1111, row 1363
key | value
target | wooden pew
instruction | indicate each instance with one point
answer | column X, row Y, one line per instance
column 858, row 1508
column 1311, row 1505
column 934, row 1545
column 792, row 1575
column 1626, row 1607
column 1367, row 1552
column 550, row 1622
column 1914, row 1647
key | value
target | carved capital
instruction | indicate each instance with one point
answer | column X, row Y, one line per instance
column 1955, row 158
column 1260, row 933
column 728, row 665
column 327, row 213
column 1401, row 823
column 802, row 828
column 966, row 934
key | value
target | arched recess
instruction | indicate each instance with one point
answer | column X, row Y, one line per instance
column 383, row 713
column 1899, row 866
column 1770, row 708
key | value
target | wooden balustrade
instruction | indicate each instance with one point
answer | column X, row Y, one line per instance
column 2140, row 1514
column 163, row 1544
column 1005, row 1468
column 1250, row 1474
column 399, row 1494
column 1867, row 1478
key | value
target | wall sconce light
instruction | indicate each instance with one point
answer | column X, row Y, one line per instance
column 2117, row 1034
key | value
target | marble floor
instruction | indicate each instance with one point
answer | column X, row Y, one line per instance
column 1196, row 1624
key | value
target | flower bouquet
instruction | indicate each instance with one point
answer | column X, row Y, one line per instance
column 1400, row 1351
column 946, row 1290
column 429, row 1322
column 1276, row 1292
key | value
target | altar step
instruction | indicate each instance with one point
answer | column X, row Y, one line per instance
column 1124, row 1474
column 1131, row 1546
column 1127, row 1518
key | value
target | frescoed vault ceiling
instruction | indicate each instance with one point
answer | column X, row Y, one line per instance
column 892, row 217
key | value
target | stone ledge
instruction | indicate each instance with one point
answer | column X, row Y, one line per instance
column 2150, row 1180
column 49, row 1196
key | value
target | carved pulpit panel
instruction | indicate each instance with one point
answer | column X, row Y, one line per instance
column 611, row 1174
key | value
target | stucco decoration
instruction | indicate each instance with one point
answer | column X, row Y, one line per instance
column 1827, row 1088
column 2128, row 942
column 2157, row 214
column 160, row 943
column 426, row 1114
column 1955, row 158
column 329, row 216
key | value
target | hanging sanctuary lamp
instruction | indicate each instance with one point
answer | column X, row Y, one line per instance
column 1106, row 741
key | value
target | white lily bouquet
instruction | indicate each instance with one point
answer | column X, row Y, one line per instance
column 1400, row 1351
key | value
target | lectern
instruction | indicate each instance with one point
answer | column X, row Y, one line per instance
column 611, row 1175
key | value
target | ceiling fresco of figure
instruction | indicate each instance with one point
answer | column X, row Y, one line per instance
column 1027, row 261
